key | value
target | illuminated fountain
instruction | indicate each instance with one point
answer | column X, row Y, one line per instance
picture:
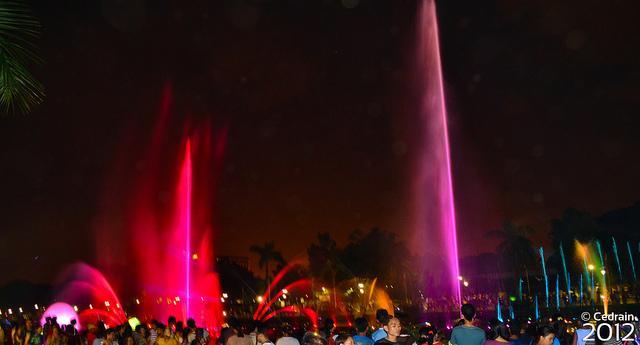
column 85, row 288
column 164, row 207
column 265, row 309
column 434, row 217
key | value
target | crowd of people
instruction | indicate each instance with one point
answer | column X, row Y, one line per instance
column 389, row 330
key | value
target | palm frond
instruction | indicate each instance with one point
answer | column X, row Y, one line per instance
column 20, row 91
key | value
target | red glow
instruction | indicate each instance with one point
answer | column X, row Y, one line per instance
column 274, row 283
column 167, row 201
column 298, row 284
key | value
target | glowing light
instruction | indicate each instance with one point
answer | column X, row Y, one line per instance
column 107, row 304
column 460, row 278
column 90, row 306
column 133, row 322
column 177, row 298
column 137, row 301
column 222, row 299
column 63, row 312
column 284, row 296
column 324, row 289
column 361, row 285
column 35, row 306
column 118, row 305
column 194, row 256
column 259, row 299
column 603, row 272
column 284, row 291
column 75, row 308
column 591, row 267
column 362, row 291
column 225, row 295
column 20, row 309
column 466, row 283
column 10, row 311
column 224, row 313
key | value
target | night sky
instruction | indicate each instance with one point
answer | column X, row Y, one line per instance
column 543, row 100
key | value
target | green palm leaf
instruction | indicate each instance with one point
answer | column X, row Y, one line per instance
column 20, row 91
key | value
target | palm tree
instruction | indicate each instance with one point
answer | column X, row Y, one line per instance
column 324, row 259
column 515, row 246
column 20, row 91
column 267, row 253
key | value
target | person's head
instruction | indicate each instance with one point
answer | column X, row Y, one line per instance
column 425, row 335
column 191, row 323
column 468, row 311
column 111, row 335
column 328, row 325
column 262, row 338
column 171, row 320
column 310, row 338
column 139, row 329
column 545, row 335
column 344, row 340
column 393, row 327
column 361, row 324
column 502, row 331
column 129, row 341
column 286, row 331
column 382, row 316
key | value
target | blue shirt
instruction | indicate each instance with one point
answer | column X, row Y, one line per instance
column 362, row 340
column 380, row 333
column 465, row 335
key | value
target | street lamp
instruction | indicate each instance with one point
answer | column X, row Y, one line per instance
column 591, row 267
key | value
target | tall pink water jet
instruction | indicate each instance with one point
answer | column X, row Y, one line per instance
column 160, row 198
column 434, row 216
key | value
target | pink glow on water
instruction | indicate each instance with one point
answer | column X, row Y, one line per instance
column 287, row 309
column 184, row 199
column 82, row 285
column 297, row 285
column 434, row 213
column 313, row 317
column 161, row 194
column 63, row 312
column 265, row 298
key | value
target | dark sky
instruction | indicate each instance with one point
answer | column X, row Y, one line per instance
column 543, row 100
